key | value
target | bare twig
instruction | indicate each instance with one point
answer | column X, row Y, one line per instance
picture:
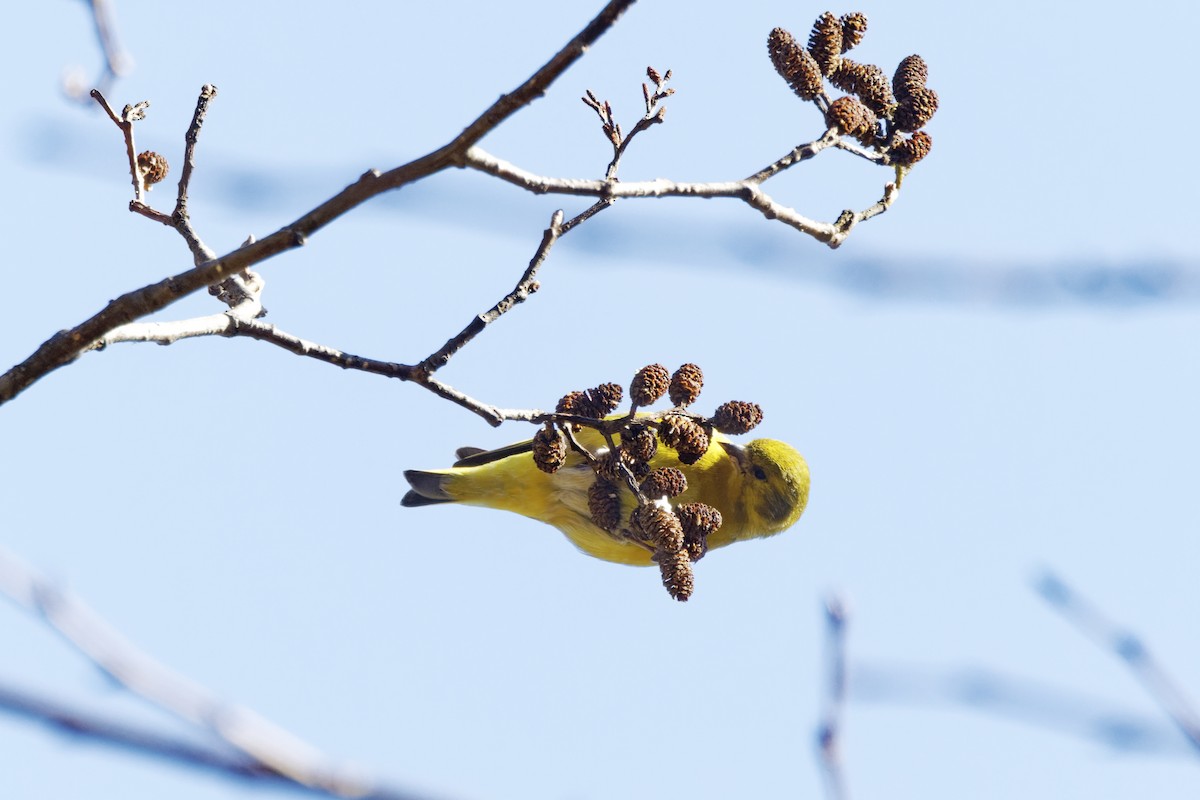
column 65, row 346
column 1126, row 646
column 183, row 223
column 226, row 276
column 830, row 730
column 520, row 293
column 256, row 745
column 749, row 190
column 124, row 121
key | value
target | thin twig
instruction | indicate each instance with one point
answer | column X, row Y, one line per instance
column 586, row 214
column 748, row 190
column 65, row 346
column 1128, row 647
column 525, row 287
column 799, row 153
column 124, row 121
column 183, row 223
column 829, row 733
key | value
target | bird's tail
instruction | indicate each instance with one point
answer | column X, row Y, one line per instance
column 428, row 489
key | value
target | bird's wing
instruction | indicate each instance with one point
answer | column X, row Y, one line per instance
column 477, row 457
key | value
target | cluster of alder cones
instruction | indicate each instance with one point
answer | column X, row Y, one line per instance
column 885, row 115
column 676, row 535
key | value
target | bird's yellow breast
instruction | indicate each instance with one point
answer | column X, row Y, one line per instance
column 561, row 498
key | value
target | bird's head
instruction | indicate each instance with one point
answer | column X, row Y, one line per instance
column 775, row 484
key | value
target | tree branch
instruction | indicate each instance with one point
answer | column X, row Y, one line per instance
column 748, row 190
column 829, row 732
column 65, row 346
column 252, row 746
column 1125, row 645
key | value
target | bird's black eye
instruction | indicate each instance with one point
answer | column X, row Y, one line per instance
column 760, row 473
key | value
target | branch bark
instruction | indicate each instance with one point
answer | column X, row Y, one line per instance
column 65, row 346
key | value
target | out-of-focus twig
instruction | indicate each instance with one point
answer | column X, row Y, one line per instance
column 1128, row 647
column 117, row 61
column 256, row 744
column 1017, row 699
column 829, row 732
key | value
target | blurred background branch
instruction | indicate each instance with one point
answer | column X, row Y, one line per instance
column 117, row 62
column 230, row 739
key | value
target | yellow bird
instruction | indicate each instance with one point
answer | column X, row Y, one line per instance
column 760, row 489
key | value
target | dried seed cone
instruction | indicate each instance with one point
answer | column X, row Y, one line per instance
column 687, row 436
column 854, row 27
column 659, row 526
column 677, row 576
column 869, row 83
column 852, row 118
column 549, row 449
column 604, row 504
column 665, row 482
column 911, row 150
column 699, row 521
column 737, row 417
column 825, row 42
column 639, row 444
column 608, row 466
column 572, row 403
column 911, row 74
column 686, row 384
column 916, row 109
column 640, row 470
column 605, row 398
column 794, row 64
column 154, row 167
column 649, row 384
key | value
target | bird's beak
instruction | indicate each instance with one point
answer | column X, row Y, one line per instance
column 737, row 453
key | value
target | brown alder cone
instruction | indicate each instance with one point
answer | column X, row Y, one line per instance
column 737, row 417
column 852, row 118
column 639, row 444
column 604, row 399
column 604, row 503
column 794, row 64
column 677, row 576
column 699, row 521
column 659, row 526
column 649, row 384
column 153, row 167
column 854, row 28
column 868, row 82
column 911, row 150
column 686, row 384
column 912, row 73
column 549, row 449
column 916, row 109
column 685, row 435
column 825, row 43
column 665, row 482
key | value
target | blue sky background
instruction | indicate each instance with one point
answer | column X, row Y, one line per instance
column 995, row 378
